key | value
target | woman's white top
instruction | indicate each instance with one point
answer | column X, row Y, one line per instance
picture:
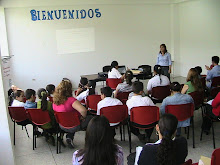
column 157, row 81
column 114, row 73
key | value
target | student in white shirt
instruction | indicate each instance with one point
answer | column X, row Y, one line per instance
column 19, row 99
column 158, row 79
column 126, row 86
column 114, row 73
column 89, row 91
column 138, row 100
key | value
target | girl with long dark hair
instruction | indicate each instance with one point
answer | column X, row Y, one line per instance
column 167, row 150
column 99, row 147
column 114, row 73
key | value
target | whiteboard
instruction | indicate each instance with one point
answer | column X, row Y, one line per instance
column 75, row 40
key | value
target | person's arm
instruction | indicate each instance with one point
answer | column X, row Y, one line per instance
column 116, row 93
column 81, row 109
column 185, row 88
column 149, row 87
column 78, row 91
column 170, row 63
column 163, row 107
column 157, row 60
column 216, row 101
column 81, row 96
column 209, row 75
column 122, row 77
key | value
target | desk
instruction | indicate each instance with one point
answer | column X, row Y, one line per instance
column 94, row 77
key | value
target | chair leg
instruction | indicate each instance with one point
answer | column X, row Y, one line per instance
column 124, row 131
column 213, row 135
column 193, row 132
column 201, row 135
column 187, row 132
column 26, row 131
column 57, row 142
column 22, row 128
column 129, row 135
column 14, row 132
column 33, row 136
column 121, row 133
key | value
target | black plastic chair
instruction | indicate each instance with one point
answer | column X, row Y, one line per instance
column 146, row 73
column 106, row 68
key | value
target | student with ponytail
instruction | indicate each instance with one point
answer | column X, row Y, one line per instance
column 126, row 86
column 114, row 73
column 47, row 106
column 158, row 79
column 167, row 150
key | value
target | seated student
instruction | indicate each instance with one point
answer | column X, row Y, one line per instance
column 50, row 90
column 99, row 148
column 18, row 99
column 30, row 95
column 65, row 102
column 89, row 91
column 114, row 73
column 11, row 92
column 135, row 101
column 193, row 82
column 126, row 86
column 83, row 84
column 177, row 98
column 107, row 100
column 157, row 80
column 214, row 72
column 47, row 106
column 167, row 150
column 199, row 71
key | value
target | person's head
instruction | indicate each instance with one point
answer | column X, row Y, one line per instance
column 166, row 129
column 66, row 79
column 14, row 88
column 175, row 87
column 42, row 95
column 83, row 82
column 30, row 95
column 62, row 92
column 99, row 147
column 19, row 95
column 114, row 64
column 163, row 48
column 50, row 89
column 106, row 92
column 157, row 70
column 128, row 77
column 194, row 78
column 198, row 69
column 215, row 60
column 137, row 87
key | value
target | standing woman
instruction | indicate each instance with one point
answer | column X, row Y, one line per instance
column 164, row 60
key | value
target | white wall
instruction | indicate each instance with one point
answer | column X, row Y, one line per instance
column 199, row 33
column 130, row 34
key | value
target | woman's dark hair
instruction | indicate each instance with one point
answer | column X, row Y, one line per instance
column 42, row 94
column 128, row 77
column 113, row 64
column 158, row 70
column 83, row 81
column 166, row 154
column 50, row 88
column 175, row 86
column 99, row 148
column 215, row 59
column 107, row 91
column 92, row 85
column 29, row 93
column 137, row 87
column 198, row 69
column 164, row 47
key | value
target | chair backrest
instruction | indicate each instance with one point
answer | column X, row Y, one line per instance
column 38, row 116
column 123, row 95
column 67, row 119
column 113, row 82
column 115, row 114
column 144, row 116
column 215, row 91
column 18, row 113
column 146, row 69
column 198, row 98
column 106, row 68
column 216, row 82
column 215, row 157
column 161, row 92
column 181, row 111
column 92, row 101
column 188, row 162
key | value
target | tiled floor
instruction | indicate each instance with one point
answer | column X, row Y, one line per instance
column 45, row 154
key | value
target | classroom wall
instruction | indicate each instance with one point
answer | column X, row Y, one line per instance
column 199, row 34
column 130, row 34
